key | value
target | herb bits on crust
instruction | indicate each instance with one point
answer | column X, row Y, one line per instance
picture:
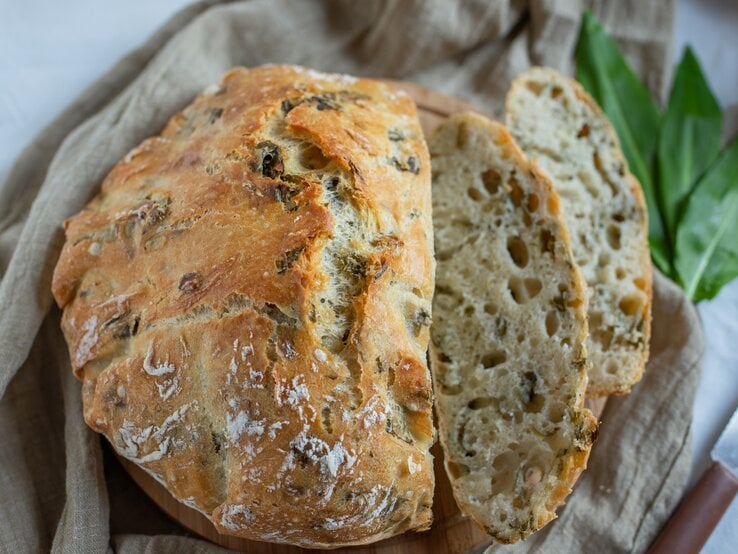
column 247, row 303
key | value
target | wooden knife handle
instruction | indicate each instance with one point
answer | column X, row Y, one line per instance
column 699, row 512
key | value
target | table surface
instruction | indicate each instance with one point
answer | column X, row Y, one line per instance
column 51, row 51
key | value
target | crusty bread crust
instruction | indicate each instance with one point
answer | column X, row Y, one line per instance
column 557, row 123
column 247, row 303
column 507, row 341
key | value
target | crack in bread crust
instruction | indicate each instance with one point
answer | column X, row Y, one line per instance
column 247, row 303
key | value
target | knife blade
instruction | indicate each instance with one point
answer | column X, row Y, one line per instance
column 700, row 511
column 726, row 448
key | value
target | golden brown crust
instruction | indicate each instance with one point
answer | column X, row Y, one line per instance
column 247, row 302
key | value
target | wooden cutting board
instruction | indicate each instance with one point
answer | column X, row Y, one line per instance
column 451, row 533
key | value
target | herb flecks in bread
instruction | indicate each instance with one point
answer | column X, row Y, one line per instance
column 509, row 325
column 556, row 122
column 247, row 303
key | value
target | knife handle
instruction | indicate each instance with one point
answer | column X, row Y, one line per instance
column 699, row 512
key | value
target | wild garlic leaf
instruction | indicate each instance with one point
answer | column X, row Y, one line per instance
column 689, row 140
column 706, row 254
column 604, row 73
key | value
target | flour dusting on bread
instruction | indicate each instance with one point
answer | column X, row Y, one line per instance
column 257, row 281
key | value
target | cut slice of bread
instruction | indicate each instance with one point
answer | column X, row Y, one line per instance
column 558, row 124
column 507, row 354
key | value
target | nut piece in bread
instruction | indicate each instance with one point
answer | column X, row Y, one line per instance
column 507, row 341
column 559, row 125
column 247, row 303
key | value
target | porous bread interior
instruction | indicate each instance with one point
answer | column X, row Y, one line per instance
column 605, row 214
column 507, row 337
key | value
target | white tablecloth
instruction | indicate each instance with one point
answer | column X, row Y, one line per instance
column 50, row 51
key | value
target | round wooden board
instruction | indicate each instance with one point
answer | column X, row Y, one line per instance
column 451, row 532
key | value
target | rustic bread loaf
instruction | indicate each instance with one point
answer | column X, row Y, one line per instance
column 557, row 123
column 507, row 340
column 247, row 303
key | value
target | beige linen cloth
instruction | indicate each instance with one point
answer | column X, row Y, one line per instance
column 60, row 490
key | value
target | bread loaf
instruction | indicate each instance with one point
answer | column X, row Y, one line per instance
column 507, row 340
column 247, row 303
column 556, row 122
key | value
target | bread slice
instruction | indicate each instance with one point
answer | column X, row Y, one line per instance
column 559, row 125
column 507, row 353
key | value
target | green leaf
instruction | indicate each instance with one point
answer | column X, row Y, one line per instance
column 706, row 255
column 605, row 74
column 689, row 140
